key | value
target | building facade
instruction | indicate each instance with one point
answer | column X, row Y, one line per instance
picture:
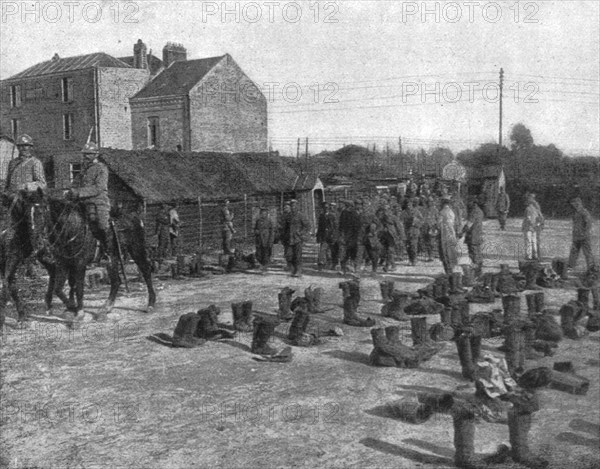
column 201, row 105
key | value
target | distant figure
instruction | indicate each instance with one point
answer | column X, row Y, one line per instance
column 533, row 219
column 429, row 231
column 413, row 220
column 502, row 207
column 174, row 229
column 297, row 229
column 327, row 237
column 539, row 229
column 227, row 230
column 473, row 230
column 349, row 227
column 264, row 235
column 582, row 235
column 161, row 229
column 448, row 239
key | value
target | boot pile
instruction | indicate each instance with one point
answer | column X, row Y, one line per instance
column 351, row 296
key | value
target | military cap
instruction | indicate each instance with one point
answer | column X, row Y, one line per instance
column 90, row 147
column 24, row 140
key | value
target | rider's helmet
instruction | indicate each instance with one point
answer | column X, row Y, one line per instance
column 90, row 147
column 24, row 140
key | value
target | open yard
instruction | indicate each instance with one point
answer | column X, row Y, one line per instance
column 105, row 396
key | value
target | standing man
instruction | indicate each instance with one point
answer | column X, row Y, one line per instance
column 26, row 173
column 430, row 230
column 174, row 229
column 227, row 230
column 297, row 229
column 161, row 229
column 413, row 220
column 349, row 228
column 264, row 235
column 582, row 235
column 474, row 233
column 502, row 207
column 93, row 191
column 539, row 229
column 327, row 237
column 448, row 240
column 533, row 219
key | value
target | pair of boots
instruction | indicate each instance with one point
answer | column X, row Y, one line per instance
column 285, row 312
column 420, row 335
column 242, row 316
column 468, row 346
column 389, row 351
column 208, row 325
column 264, row 327
column 394, row 308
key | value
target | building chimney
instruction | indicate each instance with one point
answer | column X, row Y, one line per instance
column 140, row 59
column 173, row 52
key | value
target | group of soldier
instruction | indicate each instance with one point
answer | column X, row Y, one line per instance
column 25, row 176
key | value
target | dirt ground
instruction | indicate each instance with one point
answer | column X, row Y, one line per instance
column 105, row 396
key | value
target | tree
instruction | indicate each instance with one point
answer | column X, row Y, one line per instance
column 520, row 138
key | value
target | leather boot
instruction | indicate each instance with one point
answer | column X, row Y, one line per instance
column 313, row 295
column 297, row 333
column 539, row 301
column 515, row 344
column 386, row 288
column 246, row 322
column 468, row 278
column 395, row 308
column 531, row 304
column 519, row 425
column 512, row 308
column 463, row 345
column 263, row 330
column 531, row 270
column 568, row 313
column 236, row 311
column 185, row 332
column 443, row 330
column 418, row 328
column 380, row 343
column 285, row 302
column 392, row 352
column 464, row 441
column 583, row 297
column 456, row 283
column 351, row 315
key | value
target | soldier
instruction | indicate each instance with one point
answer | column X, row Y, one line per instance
column 264, row 235
column 161, row 229
column 412, row 219
column 448, row 241
column 582, row 235
column 502, row 207
column 227, row 230
column 473, row 230
column 26, row 173
column 531, row 224
column 392, row 236
column 429, row 231
column 327, row 237
column 296, row 230
column 93, row 191
column 349, row 227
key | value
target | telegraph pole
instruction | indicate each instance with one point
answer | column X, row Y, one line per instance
column 500, row 121
column 298, row 150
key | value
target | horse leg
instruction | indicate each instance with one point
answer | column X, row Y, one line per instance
column 139, row 256
column 115, row 282
column 77, row 283
column 59, row 283
column 11, row 267
column 51, row 286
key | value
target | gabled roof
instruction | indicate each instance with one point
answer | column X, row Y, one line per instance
column 99, row 59
column 165, row 176
column 154, row 62
column 179, row 78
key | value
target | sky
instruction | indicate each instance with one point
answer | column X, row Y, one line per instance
column 362, row 72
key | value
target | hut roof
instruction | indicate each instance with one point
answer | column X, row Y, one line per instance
column 164, row 176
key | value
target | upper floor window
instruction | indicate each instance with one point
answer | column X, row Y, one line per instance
column 67, row 89
column 68, row 126
column 14, row 127
column 15, row 96
column 153, row 132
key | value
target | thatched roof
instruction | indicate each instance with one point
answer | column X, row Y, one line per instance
column 165, row 176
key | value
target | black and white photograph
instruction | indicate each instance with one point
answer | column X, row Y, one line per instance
column 299, row 234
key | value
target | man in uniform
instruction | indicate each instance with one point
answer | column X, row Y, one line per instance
column 448, row 242
column 413, row 220
column 227, row 230
column 92, row 190
column 502, row 207
column 473, row 230
column 582, row 234
column 297, row 229
column 26, row 173
column 264, row 235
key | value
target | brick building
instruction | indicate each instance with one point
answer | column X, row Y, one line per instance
column 200, row 105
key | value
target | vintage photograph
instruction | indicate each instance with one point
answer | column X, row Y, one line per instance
column 299, row 234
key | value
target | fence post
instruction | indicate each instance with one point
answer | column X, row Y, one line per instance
column 201, row 222
column 245, row 217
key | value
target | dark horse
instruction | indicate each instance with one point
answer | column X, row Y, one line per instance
column 72, row 247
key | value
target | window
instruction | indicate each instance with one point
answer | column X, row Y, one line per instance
column 153, row 132
column 14, row 127
column 74, row 172
column 68, row 126
column 15, row 96
column 67, row 90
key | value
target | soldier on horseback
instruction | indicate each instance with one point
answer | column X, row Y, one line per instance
column 25, row 176
column 92, row 190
